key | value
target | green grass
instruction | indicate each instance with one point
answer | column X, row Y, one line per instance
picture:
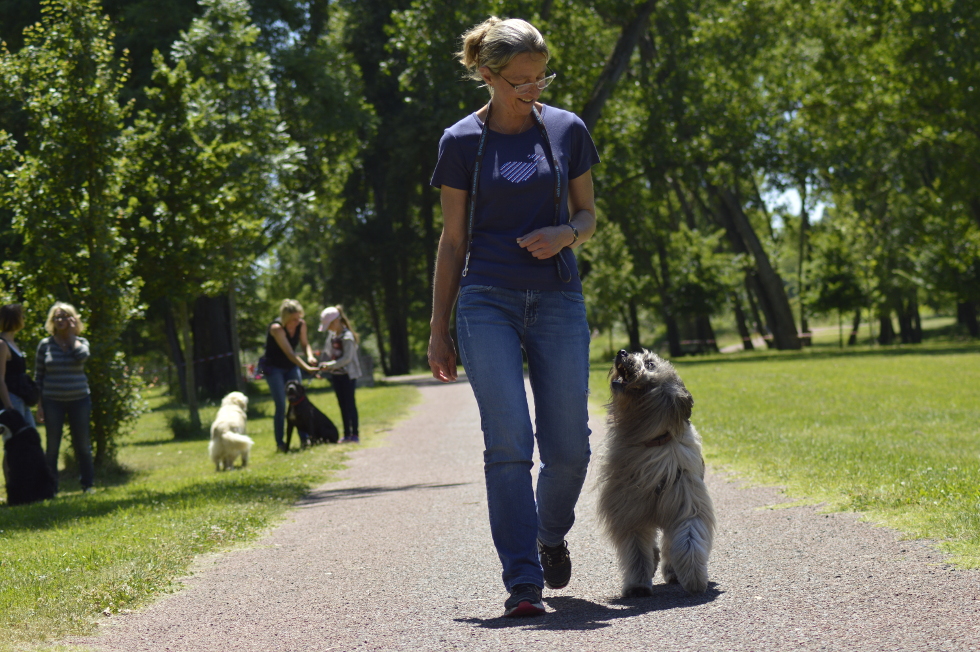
column 64, row 561
column 892, row 433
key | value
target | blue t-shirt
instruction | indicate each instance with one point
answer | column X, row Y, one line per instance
column 516, row 195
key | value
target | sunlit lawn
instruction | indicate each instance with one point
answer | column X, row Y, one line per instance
column 893, row 433
column 65, row 561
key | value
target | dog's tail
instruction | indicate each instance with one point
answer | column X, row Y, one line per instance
column 690, row 546
column 237, row 438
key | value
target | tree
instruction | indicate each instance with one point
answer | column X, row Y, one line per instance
column 213, row 163
column 66, row 199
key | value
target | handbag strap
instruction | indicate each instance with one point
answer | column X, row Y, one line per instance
column 475, row 186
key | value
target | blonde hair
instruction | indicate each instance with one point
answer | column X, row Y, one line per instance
column 495, row 42
column 63, row 307
column 290, row 307
column 346, row 322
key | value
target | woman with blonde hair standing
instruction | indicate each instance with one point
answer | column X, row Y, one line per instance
column 60, row 368
column 281, row 364
column 516, row 185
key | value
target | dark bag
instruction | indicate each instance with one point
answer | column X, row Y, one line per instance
column 25, row 387
column 27, row 476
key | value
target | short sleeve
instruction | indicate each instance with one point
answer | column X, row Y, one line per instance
column 451, row 169
column 583, row 153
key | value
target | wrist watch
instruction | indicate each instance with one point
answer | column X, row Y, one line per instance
column 574, row 234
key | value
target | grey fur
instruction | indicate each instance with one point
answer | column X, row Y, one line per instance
column 643, row 489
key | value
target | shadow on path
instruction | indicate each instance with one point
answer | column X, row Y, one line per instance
column 326, row 495
column 578, row 614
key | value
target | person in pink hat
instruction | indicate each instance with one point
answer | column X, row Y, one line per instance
column 342, row 367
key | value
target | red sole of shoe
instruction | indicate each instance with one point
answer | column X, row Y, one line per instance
column 525, row 609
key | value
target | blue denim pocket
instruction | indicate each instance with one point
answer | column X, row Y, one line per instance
column 475, row 289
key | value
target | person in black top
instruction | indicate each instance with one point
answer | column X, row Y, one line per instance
column 13, row 365
column 281, row 363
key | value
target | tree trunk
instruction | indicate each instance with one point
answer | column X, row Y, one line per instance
column 686, row 207
column 805, row 337
column 236, row 345
column 705, row 334
column 176, row 354
column 760, row 326
column 966, row 314
column 378, row 334
column 783, row 326
column 184, row 326
column 546, row 9
column 855, row 327
column 916, row 318
column 886, row 331
column 743, row 330
column 767, row 310
column 617, row 63
column 667, row 303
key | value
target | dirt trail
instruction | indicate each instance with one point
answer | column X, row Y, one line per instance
column 397, row 556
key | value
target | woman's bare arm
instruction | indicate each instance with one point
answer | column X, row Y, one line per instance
column 445, row 286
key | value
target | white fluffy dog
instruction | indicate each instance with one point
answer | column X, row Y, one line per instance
column 228, row 439
column 652, row 478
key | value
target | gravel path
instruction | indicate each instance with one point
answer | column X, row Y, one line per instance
column 397, row 556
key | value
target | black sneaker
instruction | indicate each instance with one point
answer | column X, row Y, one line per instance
column 556, row 564
column 524, row 600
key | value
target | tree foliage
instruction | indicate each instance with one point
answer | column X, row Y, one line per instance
column 64, row 193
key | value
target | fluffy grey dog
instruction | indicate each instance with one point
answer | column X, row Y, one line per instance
column 652, row 478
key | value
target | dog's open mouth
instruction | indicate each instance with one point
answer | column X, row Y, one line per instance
column 625, row 370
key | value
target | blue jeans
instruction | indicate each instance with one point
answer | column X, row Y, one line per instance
column 493, row 325
column 22, row 409
column 277, row 378
column 78, row 413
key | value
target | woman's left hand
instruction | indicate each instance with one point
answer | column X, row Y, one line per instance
column 547, row 241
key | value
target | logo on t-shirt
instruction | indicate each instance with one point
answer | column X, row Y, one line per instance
column 518, row 172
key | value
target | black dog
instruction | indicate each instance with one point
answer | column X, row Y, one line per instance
column 25, row 471
column 305, row 417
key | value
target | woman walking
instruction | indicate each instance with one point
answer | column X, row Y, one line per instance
column 60, row 368
column 516, row 185
column 13, row 364
column 281, row 363
column 344, row 367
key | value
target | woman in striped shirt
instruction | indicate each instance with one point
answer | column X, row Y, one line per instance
column 59, row 367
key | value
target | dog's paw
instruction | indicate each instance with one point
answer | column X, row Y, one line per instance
column 638, row 592
column 670, row 577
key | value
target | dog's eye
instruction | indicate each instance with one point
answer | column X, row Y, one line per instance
column 649, row 365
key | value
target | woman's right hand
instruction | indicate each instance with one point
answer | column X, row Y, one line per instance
column 442, row 357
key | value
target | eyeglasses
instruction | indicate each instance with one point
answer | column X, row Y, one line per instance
column 524, row 89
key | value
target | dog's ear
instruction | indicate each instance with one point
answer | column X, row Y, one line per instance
column 684, row 403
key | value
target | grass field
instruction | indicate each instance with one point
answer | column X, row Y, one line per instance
column 65, row 561
column 893, row 433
